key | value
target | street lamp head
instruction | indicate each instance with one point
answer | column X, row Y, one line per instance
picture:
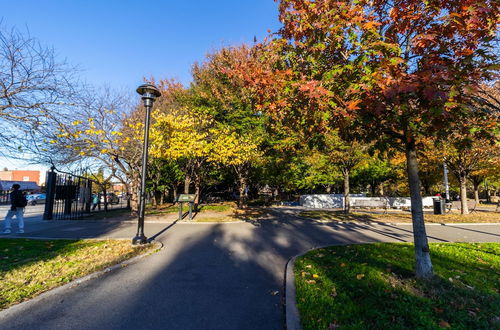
column 149, row 93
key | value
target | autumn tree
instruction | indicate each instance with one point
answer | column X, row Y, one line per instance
column 238, row 125
column 99, row 134
column 398, row 70
column 466, row 155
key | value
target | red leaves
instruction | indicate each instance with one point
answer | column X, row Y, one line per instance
column 353, row 105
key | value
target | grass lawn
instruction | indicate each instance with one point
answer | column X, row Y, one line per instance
column 400, row 216
column 372, row 286
column 220, row 212
column 169, row 208
column 30, row 267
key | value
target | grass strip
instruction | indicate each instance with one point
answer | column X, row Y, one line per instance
column 372, row 286
column 395, row 217
column 30, row 267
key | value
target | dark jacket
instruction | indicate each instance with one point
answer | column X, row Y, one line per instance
column 17, row 199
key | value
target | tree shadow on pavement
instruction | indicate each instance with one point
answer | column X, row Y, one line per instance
column 208, row 276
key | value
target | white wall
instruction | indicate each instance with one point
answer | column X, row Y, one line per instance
column 337, row 201
column 324, row 201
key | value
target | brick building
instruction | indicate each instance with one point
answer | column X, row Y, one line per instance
column 20, row 175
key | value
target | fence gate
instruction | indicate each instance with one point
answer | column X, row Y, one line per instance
column 68, row 196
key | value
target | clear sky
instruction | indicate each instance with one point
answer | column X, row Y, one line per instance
column 117, row 43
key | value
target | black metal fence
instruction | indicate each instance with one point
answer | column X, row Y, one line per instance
column 72, row 197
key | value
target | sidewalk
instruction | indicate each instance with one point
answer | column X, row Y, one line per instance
column 208, row 276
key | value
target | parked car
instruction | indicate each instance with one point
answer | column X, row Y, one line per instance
column 35, row 199
column 111, row 198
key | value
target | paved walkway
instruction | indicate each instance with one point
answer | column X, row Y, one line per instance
column 208, row 276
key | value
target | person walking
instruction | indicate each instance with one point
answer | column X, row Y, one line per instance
column 95, row 201
column 18, row 202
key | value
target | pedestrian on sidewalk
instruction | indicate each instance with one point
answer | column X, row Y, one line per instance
column 18, row 202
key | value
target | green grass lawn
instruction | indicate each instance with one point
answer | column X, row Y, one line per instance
column 372, row 286
column 30, row 267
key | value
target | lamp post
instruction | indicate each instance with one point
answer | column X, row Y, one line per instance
column 148, row 94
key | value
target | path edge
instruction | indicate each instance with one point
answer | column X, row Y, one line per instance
column 291, row 312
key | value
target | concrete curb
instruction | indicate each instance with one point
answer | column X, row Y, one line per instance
column 291, row 312
column 55, row 291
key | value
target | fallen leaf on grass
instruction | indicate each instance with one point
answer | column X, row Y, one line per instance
column 438, row 310
column 342, row 265
column 315, row 275
column 360, row 276
column 308, row 266
column 444, row 324
column 334, row 292
column 333, row 326
column 311, row 281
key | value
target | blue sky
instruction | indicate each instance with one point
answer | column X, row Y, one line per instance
column 117, row 43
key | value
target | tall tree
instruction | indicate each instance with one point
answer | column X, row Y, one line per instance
column 398, row 69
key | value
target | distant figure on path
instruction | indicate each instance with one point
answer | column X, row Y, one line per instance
column 95, row 201
column 18, row 202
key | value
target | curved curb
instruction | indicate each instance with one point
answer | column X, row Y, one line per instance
column 74, row 283
column 291, row 312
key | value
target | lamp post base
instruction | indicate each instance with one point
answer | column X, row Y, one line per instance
column 139, row 240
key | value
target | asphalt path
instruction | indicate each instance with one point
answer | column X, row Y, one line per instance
column 208, row 276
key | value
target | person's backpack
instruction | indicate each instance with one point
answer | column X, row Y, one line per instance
column 23, row 202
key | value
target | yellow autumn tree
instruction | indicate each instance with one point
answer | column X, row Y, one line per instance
column 237, row 151
column 183, row 135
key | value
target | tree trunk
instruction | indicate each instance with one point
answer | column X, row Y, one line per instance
column 463, row 193
column 174, row 192
column 423, row 264
column 197, row 190
column 381, row 189
column 242, row 189
column 187, row 183
column 476, row 182
column 347, row 206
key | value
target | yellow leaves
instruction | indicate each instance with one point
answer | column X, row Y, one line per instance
column 103, row 151
column 76, row 122
column 315, row 275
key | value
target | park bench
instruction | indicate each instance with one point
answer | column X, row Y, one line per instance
column 370, row 204
column 456, row 205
